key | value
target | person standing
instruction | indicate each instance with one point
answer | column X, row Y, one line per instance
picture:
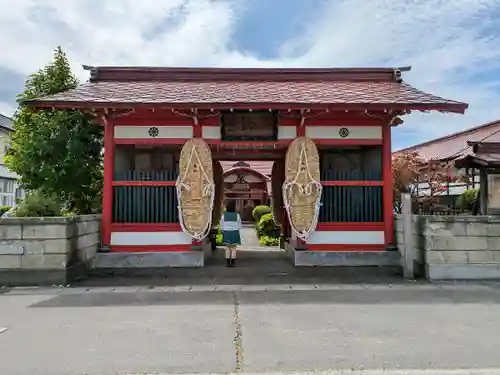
column 231, row 238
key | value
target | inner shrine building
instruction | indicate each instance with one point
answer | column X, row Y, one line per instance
column 149, row 113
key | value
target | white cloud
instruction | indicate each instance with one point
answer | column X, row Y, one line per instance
column 448, row 42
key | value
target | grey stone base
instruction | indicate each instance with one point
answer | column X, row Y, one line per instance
column 47, row 277
column 435, row 272
column 346, row 258
column 148, row 260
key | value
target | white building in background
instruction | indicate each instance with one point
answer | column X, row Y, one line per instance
column 9, row 186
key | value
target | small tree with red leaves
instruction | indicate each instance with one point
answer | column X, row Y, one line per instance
column 409, row 170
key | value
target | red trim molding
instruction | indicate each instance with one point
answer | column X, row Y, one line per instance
column 143, row 183
column 348, row 142
column 350, row 226
column 149, row 119
column 150, row 141
column 352, row 183
column 250, row 144
column 346, row 247
column 145, row 227
column 150, row 248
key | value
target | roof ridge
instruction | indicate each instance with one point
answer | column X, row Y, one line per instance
column 218, row 69
column 129, row 73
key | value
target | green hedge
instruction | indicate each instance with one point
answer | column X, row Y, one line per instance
column 38, row 204
column 467, row 199
column 267, row 227
column 269, row 241
column 4, row 209
column 259, row 211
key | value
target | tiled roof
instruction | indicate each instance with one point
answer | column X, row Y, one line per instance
column 228, row 88
column 455, row 145
column 5, row 122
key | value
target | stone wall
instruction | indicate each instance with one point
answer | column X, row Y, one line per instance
column 51, row 250
column 454, row 247
column 462, row 247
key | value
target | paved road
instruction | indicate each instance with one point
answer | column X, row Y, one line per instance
column 249, row 328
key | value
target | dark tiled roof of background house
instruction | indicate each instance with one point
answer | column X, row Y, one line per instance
column 456, row 145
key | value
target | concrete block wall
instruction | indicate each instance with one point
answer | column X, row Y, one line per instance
column 45, row 250
column 88, row 237
column 462, row 247
column 453, row 247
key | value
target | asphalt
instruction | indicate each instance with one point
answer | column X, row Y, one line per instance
column 268, row 328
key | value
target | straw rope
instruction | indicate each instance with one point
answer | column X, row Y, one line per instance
column 302, row 189
column 195, row 189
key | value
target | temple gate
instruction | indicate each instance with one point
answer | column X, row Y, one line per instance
column 341, row 117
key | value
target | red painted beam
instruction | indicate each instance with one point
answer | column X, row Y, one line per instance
column 143, row 183
column 376, row 226
column 107, row 196
column 145, row 227
column 388, row 204
column 352, row 183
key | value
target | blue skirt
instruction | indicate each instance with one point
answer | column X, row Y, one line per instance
column 231, row 237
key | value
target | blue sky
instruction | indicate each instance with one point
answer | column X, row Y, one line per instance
column 453, row 45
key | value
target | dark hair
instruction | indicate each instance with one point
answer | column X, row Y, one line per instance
column 231, row 206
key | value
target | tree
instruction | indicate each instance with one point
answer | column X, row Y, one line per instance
column 57, row 151
column 409, row 171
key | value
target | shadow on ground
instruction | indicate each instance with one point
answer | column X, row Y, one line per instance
column 362, row 296
column 252, row 267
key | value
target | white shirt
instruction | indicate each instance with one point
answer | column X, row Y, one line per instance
column 230, row 225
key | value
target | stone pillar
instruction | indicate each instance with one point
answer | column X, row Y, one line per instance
column 408, row 258
column 483, row 192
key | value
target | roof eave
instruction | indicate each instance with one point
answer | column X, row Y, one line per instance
column 471, row 161
column 454, row 107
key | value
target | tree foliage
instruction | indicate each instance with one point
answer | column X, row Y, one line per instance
column 58, row 152
column 409, row 171
column 467, row 199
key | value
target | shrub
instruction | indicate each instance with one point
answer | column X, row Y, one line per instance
column 259, row 211
column 218, row 236
column 39, row 204
column 269, row 241
column 267, row 227
column 4, row 209
column 467, row 199
column 218, row 239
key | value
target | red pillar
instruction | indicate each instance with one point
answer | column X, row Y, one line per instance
column 107, row 194
column 387, row 189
